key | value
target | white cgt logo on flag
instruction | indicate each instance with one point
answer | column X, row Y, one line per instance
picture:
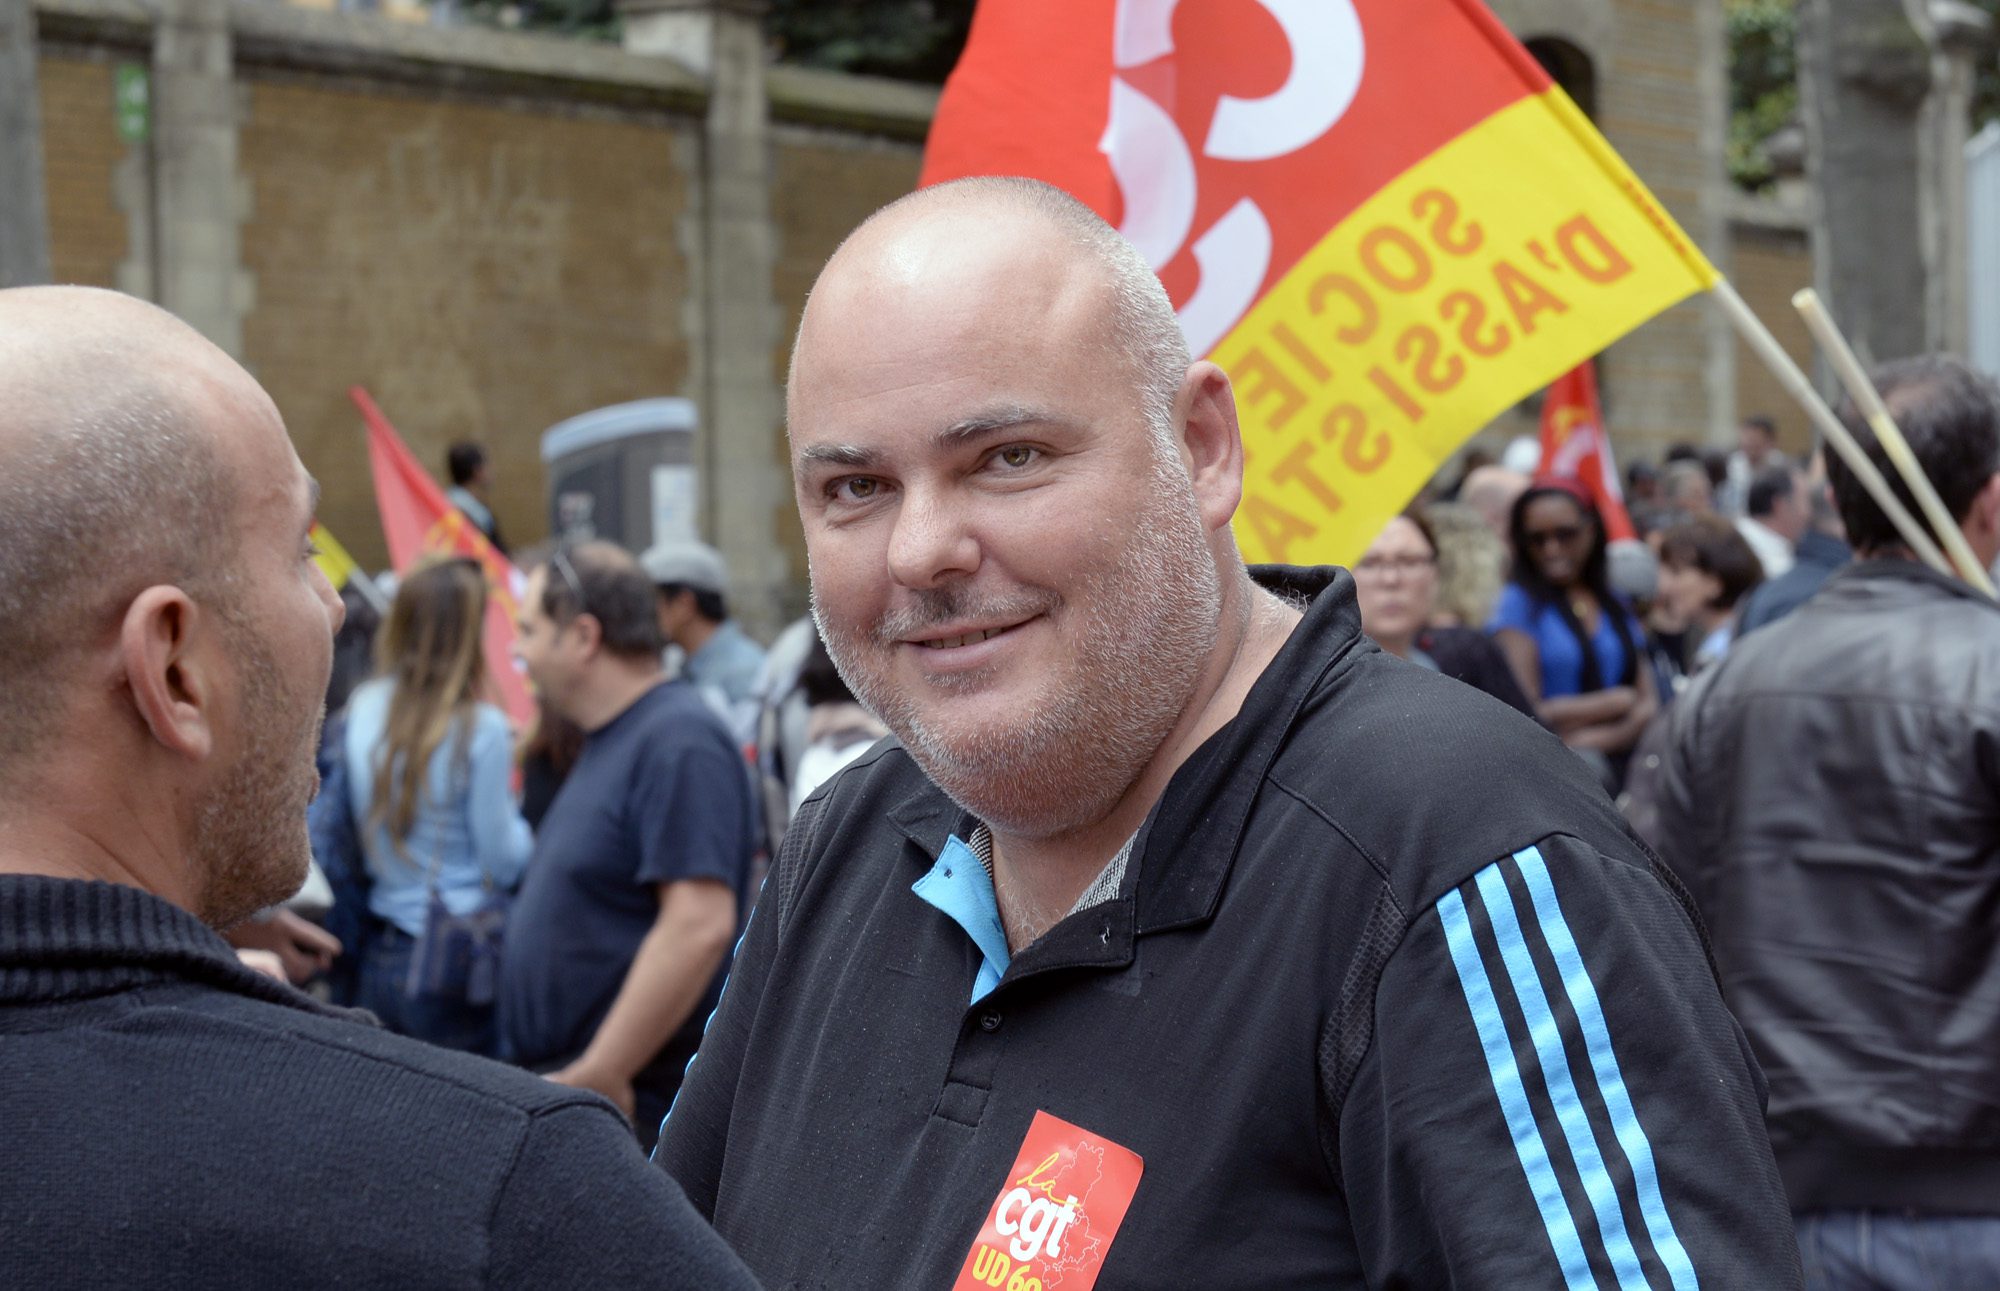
column 1154, row 162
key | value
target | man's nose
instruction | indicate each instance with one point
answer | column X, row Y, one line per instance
column 336, row 607
column 931, row 542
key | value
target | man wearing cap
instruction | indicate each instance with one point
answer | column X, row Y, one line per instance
column 618, row 941
column 719, row 657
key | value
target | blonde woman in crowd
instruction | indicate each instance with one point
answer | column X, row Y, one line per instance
column 429, row 768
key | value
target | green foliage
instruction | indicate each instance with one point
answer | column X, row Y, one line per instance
column 916, row 40
column 1763, row 84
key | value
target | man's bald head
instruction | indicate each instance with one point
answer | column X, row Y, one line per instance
column 929, row 239
column 112, row 479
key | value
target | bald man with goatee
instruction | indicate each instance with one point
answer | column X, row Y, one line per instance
column 171, row 1118
column 1181, row 937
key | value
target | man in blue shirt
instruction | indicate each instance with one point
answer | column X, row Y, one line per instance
column 618, row 942
column 720, row 658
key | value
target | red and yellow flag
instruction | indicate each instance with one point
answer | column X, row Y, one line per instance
column 1575, row 447
column 418, row 522
column 1380, row 217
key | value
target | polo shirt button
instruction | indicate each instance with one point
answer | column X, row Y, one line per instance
column 989, row 1021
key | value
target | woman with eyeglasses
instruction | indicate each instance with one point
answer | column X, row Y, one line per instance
column 430, row 771
column 1574, row 645
column 1396, row 583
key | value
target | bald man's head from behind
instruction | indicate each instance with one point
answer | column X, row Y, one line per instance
column 1016, row 491
column 165, row 637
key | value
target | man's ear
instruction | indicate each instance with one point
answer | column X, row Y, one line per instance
column 589, row 634
column 1982, row 522
column 1211, row 442
column 173, row 687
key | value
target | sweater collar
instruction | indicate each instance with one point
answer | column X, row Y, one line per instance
column 67, row 938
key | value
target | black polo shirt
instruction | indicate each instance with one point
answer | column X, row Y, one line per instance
column 1388, row 997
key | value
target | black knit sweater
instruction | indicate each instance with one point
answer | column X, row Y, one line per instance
column 172, row 1119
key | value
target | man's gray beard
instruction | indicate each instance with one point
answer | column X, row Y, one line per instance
column 251, row 847
column 1140, row 659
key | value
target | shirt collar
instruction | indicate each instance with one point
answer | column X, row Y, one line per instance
column 1102, row 888
column 68, row 938
column 1199, row 820
column 960, row 885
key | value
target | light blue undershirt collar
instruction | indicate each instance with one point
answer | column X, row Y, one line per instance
column 959, row 886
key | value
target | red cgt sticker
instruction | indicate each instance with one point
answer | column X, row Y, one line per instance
column 1058, row 1209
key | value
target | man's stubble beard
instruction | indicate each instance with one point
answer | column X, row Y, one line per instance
column 1143, row 630
column 251, row 845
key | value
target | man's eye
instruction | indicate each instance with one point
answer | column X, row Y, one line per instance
column 858, row 488
column 1016, row 456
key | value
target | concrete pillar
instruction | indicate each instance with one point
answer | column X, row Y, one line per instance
column 746, row 490
column 1959, row 34
column 24, row 220
column 1864, row 78
column 1713, row 229
column 198, row 202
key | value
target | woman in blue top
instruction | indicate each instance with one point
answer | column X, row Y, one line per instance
column 429, row 769
column 1575, row 647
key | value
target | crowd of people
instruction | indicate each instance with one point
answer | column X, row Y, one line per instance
column 1198, row 923
column 563, row 896
column 1598, row 634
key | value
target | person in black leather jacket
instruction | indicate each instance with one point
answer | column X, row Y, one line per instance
column 1832, row 799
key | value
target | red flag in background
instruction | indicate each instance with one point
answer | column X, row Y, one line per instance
column 1574, row 445
column 419, row 522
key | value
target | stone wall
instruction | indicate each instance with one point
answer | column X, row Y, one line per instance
column 81, row 154
column 484, row 268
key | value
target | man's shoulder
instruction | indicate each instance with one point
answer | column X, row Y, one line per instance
column 672, row 719
column 1864, row 627
column 349, row 1062
column 1386, row 718
column 1433, row 779
column 871, row 791
column 739, row 649
column 862, row 814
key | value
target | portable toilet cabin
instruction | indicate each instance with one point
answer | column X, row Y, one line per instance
column 625, row 473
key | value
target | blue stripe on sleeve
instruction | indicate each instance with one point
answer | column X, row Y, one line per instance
column 1547, row 1037
column 706, row 1024
column 1527, row 1136
column 1604, row 1063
